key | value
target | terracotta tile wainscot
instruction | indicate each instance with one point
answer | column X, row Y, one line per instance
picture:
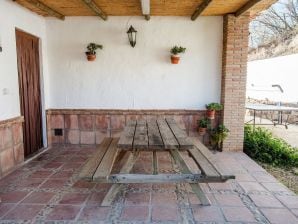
column 89, row 127
column 11, row 144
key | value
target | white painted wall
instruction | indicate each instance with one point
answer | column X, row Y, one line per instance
column 14, row 16
column 123, row 77
column 264, row 73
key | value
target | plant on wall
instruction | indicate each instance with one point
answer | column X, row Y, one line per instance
column 203, row 124
column 175, row 51
column 218, row 135
column 91, row 51
column 212, row 108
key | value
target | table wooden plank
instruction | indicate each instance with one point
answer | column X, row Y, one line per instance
column 90, row 167
column 181, row 136
column 106, row 165
column 141, row 137
column 168, row 137
column 127, row 136
column 154, row 138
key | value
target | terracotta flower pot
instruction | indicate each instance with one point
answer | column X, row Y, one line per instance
column 91, row 57
column 202, row 131
column 175, row 59
column 211, row 114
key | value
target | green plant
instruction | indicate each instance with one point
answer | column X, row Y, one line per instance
column 260, row 145
column 218, row 135
column 214, row 106
column 92, row 47
column 203, row 123
column 177, row 50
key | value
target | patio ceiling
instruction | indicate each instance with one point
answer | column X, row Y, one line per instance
column 104, row 8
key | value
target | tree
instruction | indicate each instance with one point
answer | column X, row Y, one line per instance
column 279, row 21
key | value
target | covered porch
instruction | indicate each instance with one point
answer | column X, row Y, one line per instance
column 79, row 103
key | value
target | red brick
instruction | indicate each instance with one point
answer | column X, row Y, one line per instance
column 208, row 214
column 165, row 213
column 279, row 216
column 238, row 214
column 131, row 213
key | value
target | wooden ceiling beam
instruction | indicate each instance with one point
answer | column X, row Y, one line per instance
column 200, row 9
column 246, row 7
column 146, row 8
column 95, row 8
column 46, row 9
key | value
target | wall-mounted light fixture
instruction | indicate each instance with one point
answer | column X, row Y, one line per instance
column 132, row 36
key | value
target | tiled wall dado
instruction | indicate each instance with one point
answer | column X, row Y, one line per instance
column 89, row 127
column 11, row 144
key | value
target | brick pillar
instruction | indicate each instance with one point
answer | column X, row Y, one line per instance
column 234, row 72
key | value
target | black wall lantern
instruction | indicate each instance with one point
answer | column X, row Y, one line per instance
column 132, row 36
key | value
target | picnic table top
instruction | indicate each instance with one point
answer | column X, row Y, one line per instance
column 160, row 134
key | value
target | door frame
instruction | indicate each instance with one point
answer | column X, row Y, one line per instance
column 41, row 86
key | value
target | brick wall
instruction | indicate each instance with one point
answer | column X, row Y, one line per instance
column 11, row 144
column 89, row 127
column 234, row 72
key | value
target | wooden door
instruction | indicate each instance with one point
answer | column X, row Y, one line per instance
column 29, row 84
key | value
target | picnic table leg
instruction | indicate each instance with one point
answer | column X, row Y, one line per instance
column 116, row 188
column 184, row 169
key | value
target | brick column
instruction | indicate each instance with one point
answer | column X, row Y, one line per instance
column 234, row 72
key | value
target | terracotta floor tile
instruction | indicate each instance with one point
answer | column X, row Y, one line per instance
column 73, row 198
column 30, row 182
column 62, row 175
column 38, row 198
column 229, row 200
column 52, row 165
column 24, row 212
column 237, row 214
column 4, row 208
column 72, row 166
column 41, row 174
column 103, row 187
column 135, row 213
column 83, row 184
column 94, row 212
column 63, row 212
column 289, row 201
column 137, row 198
column 13, row 196
column 164, row 198
column 96, row 198
column 275, row 187
column 221, row 186
column 279, row 216
column 208, row 214
column 165, row 213
column 54, row 183
column 263, row 177
column 266, row 201
column 252, row 186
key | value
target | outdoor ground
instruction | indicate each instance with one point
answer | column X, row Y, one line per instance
column 47, row 190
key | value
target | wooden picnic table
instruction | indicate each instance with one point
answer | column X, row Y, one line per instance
column 162, row 135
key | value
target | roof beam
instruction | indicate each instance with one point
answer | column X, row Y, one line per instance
column 95, row 8
column 200, row 9
column 46, row 9
column 146, row 8
column 246, row 7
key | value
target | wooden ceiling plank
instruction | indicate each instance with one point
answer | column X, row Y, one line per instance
column 146, row 8
column 246, row 7
column 200, row 9
column 46, row 9
column 95, row 8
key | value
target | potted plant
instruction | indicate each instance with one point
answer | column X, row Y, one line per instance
column 211, row 108
column 203, row 124
column 218, row 135
column 91, row 51
column 175, row 51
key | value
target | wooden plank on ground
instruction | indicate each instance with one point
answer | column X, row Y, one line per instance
column 127, row 136
column 116, row 188
column 208, row 155
column 141, row 136
column 91, row 165
column 184, row 169
column 154, row 138
column 168, row 137
column 181, row 136
column 106, row 165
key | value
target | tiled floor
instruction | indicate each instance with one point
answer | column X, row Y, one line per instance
column 46, row 190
